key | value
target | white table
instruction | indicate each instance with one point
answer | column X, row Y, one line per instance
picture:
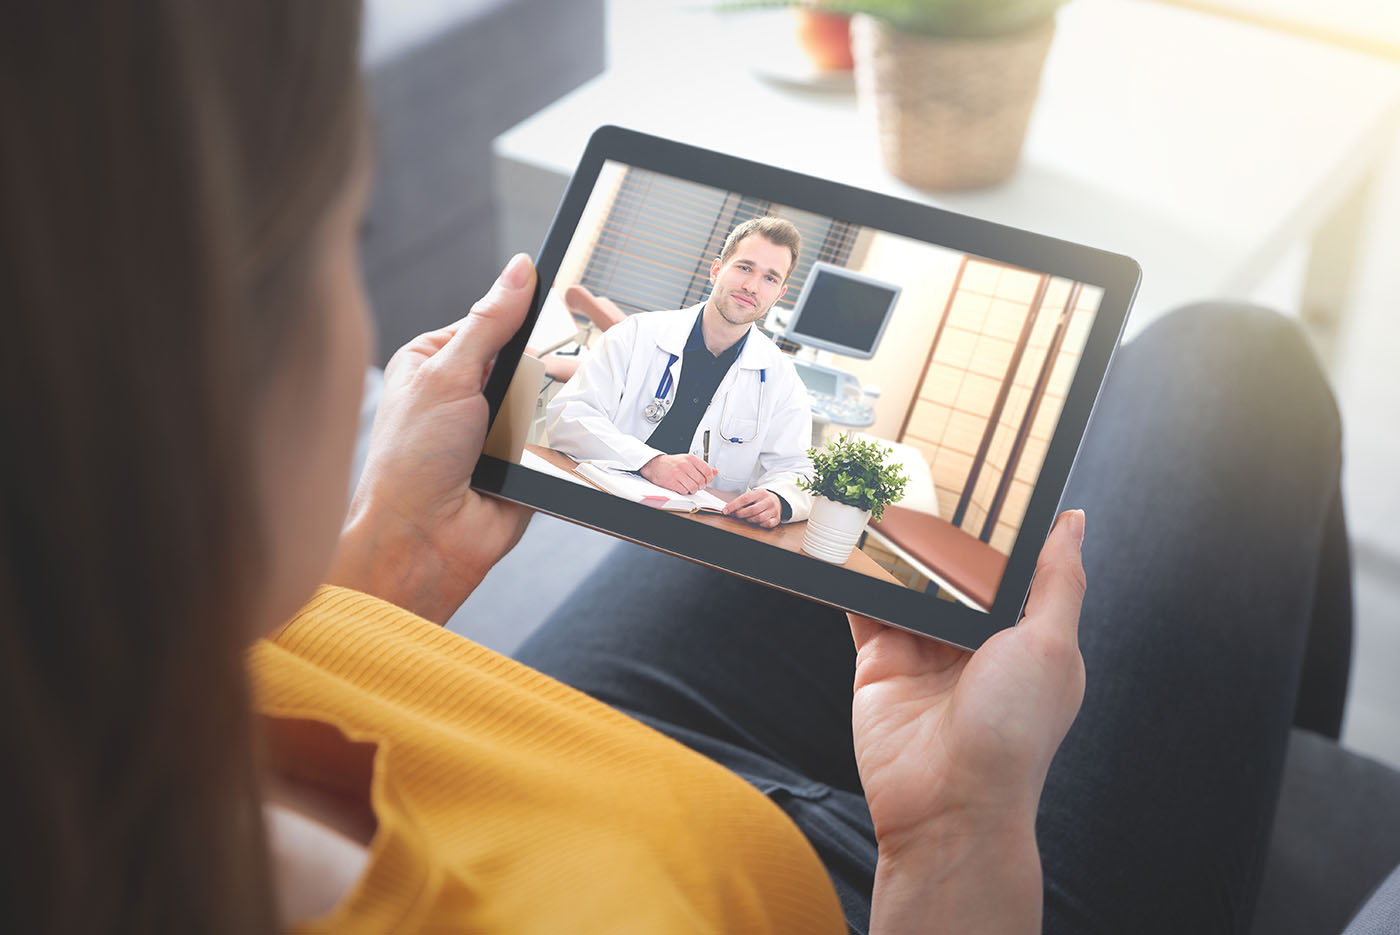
column 1369, row 25
column 1206, row 148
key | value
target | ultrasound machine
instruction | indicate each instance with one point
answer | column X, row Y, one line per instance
column 845, row 312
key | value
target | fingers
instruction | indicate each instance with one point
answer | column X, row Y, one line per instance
column 759, row 507
column 863, row 629
column 682, row 479
column 700, row 470
column 493, row 319
column 696, row 471
column 417, row 350
column 1058, row 590
column 755, row 505
column 678, row 474
column 760, row 511
column 740, row 502
column 675, row 481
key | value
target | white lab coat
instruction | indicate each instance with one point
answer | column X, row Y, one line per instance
column 597, row 416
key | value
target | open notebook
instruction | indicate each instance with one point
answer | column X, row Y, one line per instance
column 640, row 490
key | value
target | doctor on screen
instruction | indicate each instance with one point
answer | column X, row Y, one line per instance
column 662, row 382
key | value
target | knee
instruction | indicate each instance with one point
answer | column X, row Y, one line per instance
column 1236, row 336
column 1251, row 359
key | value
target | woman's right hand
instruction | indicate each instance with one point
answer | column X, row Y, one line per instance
column 953, row 748
column 418, row 535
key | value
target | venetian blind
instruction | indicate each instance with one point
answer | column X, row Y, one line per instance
column 661, row 233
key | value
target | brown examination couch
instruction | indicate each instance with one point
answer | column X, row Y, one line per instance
column 943, row 552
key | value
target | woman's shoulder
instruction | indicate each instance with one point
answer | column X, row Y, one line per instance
column 563, row 795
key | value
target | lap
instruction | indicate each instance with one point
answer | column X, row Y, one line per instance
column 1209, row 480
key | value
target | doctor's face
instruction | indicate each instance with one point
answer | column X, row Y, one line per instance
column 746, row 287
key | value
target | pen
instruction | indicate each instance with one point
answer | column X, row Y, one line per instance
column 706, row 443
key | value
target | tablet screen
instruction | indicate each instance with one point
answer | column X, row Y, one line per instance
column 726, row 326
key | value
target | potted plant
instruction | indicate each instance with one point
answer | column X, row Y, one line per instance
column 951, row 83
column 850, row 483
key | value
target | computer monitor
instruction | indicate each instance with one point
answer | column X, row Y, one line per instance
column 841, row 310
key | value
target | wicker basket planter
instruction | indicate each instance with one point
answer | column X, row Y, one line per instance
column 951, row 113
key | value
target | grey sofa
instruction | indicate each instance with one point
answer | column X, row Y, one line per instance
column 445, row 78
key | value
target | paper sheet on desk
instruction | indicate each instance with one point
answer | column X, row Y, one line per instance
column 535, row 463
column 639, row 489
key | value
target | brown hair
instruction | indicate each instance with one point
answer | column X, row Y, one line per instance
column 163, row 166
column 775, row 230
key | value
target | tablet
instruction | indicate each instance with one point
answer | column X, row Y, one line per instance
column 660, row 341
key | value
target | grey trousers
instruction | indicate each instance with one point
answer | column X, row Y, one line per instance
column 1219, row 582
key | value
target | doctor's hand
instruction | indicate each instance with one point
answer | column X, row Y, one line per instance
column 760, row 507
column 417, row 534
column 953, row 748
column 681, row 473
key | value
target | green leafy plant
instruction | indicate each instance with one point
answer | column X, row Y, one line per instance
column 948, row 18
column 853, row 471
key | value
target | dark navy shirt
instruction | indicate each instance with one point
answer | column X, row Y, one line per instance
column 701, row 372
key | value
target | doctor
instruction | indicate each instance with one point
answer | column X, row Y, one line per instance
column 663, row 383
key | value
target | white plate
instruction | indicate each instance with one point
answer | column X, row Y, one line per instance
column 781, row 59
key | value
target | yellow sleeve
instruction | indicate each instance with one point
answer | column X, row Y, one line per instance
column 509, row 801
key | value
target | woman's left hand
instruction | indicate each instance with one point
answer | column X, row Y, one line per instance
column 418, row 535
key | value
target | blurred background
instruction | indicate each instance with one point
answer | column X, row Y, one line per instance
column 1239, row 149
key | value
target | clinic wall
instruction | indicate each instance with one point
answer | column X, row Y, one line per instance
column 949, row 406
column 1047, row 417
column 966, row 373
column 949, row 416
column 1011, row 294
column 899, row 360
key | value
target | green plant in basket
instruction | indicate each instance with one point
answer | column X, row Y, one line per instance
column 853, row 471
column 951, row 83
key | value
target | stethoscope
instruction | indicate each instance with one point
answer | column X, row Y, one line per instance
column 656, row 410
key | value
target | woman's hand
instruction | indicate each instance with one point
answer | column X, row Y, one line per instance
column 953, row 748
column 417, row 534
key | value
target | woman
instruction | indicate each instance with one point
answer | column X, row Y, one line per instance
column 187, row 335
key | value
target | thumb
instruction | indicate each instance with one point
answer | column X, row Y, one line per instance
column 493, row 320
column 1058, row 591
column 863, row 629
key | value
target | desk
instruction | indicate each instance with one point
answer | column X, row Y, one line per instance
column 1206, row 148
column 787, row 536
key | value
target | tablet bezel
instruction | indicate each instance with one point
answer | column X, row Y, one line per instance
column 952, row 622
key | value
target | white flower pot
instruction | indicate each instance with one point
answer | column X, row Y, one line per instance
column 833, row 530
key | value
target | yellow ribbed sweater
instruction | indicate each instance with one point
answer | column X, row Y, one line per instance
column 508, row 801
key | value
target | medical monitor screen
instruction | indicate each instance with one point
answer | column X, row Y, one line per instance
column 841, row 310
column 819, row 381
column 688, row 393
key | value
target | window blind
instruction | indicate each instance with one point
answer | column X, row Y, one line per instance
column 660, row 235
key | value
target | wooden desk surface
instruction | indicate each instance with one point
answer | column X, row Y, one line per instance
column 787, row 536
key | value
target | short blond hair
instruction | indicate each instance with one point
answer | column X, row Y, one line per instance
column 775, row 230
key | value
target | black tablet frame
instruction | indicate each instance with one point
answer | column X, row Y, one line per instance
column 951, row 622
